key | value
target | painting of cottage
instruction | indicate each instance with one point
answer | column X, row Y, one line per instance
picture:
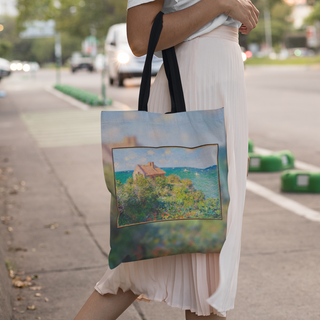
column 166, row 183
column 149, row 170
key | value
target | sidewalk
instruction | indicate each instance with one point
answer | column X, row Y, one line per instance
column 55, row 211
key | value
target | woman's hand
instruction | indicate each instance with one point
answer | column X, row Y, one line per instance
column 243, row 11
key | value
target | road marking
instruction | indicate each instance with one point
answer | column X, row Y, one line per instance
column 63, row 128
column 298, row 164
column 283, row 202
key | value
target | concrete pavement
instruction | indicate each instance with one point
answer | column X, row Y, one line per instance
column 55, row 212
column 54, row 205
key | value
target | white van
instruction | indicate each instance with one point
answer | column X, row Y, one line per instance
column 121, row 62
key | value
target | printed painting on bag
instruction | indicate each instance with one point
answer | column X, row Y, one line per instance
column 166, row 183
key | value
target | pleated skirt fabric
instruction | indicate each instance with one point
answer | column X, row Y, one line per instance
column 212, row 75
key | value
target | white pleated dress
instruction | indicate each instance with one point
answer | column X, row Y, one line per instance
column 212, row 75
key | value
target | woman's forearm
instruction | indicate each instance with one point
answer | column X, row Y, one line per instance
column 177, row 26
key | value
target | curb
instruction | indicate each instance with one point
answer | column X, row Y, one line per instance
column 5, row 287
column 116, row 105
column 76, row 103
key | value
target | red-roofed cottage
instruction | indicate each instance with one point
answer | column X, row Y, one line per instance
column 148, row 170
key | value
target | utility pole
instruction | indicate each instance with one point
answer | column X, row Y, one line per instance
column 57, row 51
column 106, row 101
column 103, row 79
column 5, row 8
column 267, row 26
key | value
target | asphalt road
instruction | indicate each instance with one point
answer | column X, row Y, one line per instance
column 283, row 103
column 279, row 270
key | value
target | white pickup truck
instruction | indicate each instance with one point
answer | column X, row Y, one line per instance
column 80, row 61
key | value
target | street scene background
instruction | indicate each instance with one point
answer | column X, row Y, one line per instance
column 54, row 203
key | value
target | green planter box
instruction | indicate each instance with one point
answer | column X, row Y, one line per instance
column 287, row 158
column 250, row 146
column 300, row 181
column 82, row 95
column 276, row 161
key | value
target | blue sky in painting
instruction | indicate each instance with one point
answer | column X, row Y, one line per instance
column 202, row 157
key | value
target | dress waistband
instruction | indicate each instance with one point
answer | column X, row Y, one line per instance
column 224, row 32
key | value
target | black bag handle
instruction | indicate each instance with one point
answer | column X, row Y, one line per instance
column 171, row 68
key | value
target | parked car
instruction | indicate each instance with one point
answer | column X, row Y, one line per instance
column 25, row 66
column 34, row 66
column 4, row 68
column 99, row 62
column 81, row 61
column 16, row 65
column 121, row 62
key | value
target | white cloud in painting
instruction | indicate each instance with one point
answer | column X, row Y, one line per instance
column 127, row 158
column 116, row 165
column 132, row 155
column 176, row 161
column 162, row 161
column 142, row 160
column 167, row 152
column 150, row 153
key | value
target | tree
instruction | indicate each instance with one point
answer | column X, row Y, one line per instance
column 12, row 47
column 7, row 37
column 314, row 15
column 281, row 22
column 312, row 2
column 5, row 48
column 76, row 18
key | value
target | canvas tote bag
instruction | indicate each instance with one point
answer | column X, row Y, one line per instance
column 167, row 173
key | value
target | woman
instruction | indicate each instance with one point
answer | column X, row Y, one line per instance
column 205, row 35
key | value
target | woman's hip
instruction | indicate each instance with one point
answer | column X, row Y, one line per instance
column 216, row 52
column 211, row 70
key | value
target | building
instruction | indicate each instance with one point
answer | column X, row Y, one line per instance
column 148, row 170
column 8, row 8
column 301, row 10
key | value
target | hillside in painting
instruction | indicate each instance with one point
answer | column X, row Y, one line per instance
column 183, row 193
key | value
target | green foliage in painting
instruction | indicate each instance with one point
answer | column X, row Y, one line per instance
column 163, row 198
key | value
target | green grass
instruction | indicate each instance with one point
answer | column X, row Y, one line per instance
column 52, row 65
column 288, row 61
